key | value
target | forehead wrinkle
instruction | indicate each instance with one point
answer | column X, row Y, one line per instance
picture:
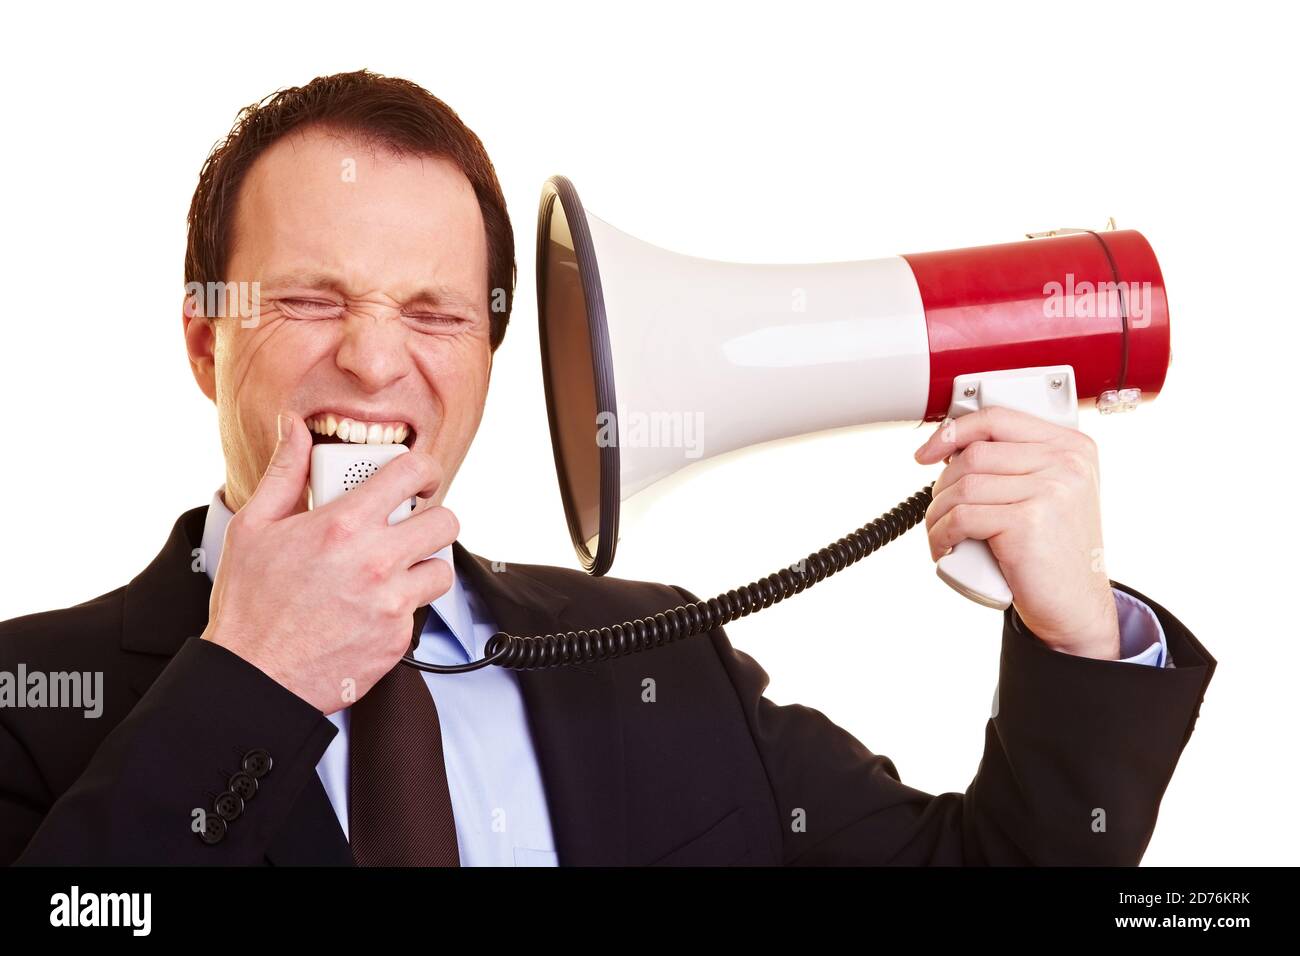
column 307, row 278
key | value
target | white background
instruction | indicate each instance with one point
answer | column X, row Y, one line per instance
column 746, row 132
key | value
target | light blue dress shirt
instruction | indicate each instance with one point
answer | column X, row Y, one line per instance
column 492, row 771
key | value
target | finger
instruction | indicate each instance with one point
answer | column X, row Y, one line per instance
column 990, row 424
column 995, row 458
column 405, row 477
column 427, row 581
column 423, row 534
column 963, row 521
column 982, row 489
column 282, row 484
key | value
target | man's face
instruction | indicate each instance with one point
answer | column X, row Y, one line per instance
column 373, row 306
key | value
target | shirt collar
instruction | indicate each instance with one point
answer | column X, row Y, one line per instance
column 452, row 607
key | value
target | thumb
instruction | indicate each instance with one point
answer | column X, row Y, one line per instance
column 282, row 484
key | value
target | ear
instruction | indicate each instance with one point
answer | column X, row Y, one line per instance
column 201, row 344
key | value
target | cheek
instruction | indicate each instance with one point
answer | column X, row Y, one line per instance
column 268, row 362
column 458, row 396
column 258, row 373
column 461, row 397
column 458, row 376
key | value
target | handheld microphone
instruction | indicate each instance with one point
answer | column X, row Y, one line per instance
column 337, row 468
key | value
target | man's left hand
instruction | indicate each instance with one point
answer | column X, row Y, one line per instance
column 1031, row 489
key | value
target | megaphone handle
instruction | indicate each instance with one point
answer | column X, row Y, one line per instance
column 971, row 570
column 1048, row 392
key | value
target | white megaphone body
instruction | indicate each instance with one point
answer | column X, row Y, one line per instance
column 636, row 339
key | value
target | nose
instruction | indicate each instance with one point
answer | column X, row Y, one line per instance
column 373, row 350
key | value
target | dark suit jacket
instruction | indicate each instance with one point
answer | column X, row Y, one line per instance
column 712, row 773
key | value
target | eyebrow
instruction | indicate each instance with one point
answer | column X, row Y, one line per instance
column 436, row 295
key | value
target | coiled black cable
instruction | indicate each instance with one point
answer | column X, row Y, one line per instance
column 699, row 617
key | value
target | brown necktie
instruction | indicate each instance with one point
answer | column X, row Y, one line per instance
column 399, row 804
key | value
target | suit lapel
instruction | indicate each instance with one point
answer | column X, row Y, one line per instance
column 167, row 602
column 571, row 716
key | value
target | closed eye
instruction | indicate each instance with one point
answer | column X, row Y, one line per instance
column 315, row 308
column 434, row 318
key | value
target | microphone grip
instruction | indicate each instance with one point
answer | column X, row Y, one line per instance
column 1048, row 392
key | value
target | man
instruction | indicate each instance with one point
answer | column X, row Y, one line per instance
column 254, row 711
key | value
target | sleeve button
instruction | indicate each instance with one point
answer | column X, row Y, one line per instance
column 244, row 784
column 214, row 829
column 228, row 806
column 257, row 762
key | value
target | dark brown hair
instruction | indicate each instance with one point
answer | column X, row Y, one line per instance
column 387, row 111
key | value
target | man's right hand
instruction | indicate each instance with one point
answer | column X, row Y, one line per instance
column 322, row 600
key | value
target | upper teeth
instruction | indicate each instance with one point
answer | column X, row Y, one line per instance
column 359, row 432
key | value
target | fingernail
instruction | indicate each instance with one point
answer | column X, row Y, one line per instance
column 283, row 426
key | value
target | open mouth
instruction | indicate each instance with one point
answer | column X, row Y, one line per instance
column 330, row 429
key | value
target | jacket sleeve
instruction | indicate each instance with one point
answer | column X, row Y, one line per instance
column 208, row 716
column 1077, row 755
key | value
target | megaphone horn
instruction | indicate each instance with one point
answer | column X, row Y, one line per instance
column 637, row 340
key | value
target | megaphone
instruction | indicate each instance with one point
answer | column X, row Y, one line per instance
column 653, row 360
